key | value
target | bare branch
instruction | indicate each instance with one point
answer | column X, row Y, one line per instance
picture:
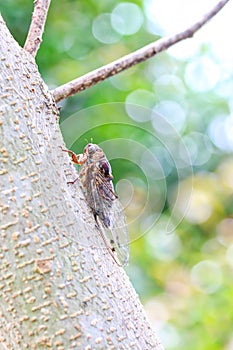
column 125, row 62
column 36, row 29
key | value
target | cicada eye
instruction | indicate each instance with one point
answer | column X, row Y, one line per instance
column 106, row 170
column 104, row 167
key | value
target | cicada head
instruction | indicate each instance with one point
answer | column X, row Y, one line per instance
column 96, row 155
column 93, row 152
column 90, row 149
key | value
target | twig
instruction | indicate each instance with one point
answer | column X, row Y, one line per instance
column 36, row 29
column 125, row 62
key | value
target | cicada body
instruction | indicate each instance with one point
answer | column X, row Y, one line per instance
column 96, row 177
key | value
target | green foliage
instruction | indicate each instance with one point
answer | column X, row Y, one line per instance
column 175, row 157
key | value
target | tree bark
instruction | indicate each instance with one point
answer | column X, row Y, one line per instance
column 58, row 289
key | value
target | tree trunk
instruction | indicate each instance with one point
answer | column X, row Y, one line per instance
column 57, row 288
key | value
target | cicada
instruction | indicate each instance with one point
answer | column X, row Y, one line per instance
column 96, row 177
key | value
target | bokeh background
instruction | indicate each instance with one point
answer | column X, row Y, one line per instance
column 167, row 127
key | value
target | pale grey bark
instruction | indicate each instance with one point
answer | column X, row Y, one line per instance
column 58, row 290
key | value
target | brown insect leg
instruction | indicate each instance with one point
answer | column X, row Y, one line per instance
column 73, row 155
column 72, row 182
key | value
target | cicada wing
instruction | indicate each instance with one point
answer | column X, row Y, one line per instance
column 103, row 196
column 93, row 185
column 107, row 208
column 113, row 219
column 118, row 232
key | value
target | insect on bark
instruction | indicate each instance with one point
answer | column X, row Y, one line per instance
column 96, row 177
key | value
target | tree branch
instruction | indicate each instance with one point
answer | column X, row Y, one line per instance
column 86, row 81
column 36, row 29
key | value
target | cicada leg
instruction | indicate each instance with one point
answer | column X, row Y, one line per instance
column 77, row 159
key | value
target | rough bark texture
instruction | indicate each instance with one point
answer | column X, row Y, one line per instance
column 57, row 288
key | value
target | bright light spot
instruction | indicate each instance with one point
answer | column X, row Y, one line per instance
column 103, row 31
column 183, row 157
column 192, row 199
column 229, row 255
column 225, row 232
column 199, row 147
column 173, row 113
column 156, row 311
column 225, row 171
column 123, row 81
column 152, row 165
column 163, row 246
column 181, row 14
column 221, row 131
column 207, row 276
column 202, row 74
column 200, row 207
column 210, row 247
column 126, row 18
column 229, row 345
column 191, row 147
column 168, row 85
column 165, row 160
column 153, row 70
column 148, row 221
column 144, row 98
column 175, row 15
column 169, row 336
column 213, row 34
column 225, row 88
column 230, row 102
column 185, row 49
